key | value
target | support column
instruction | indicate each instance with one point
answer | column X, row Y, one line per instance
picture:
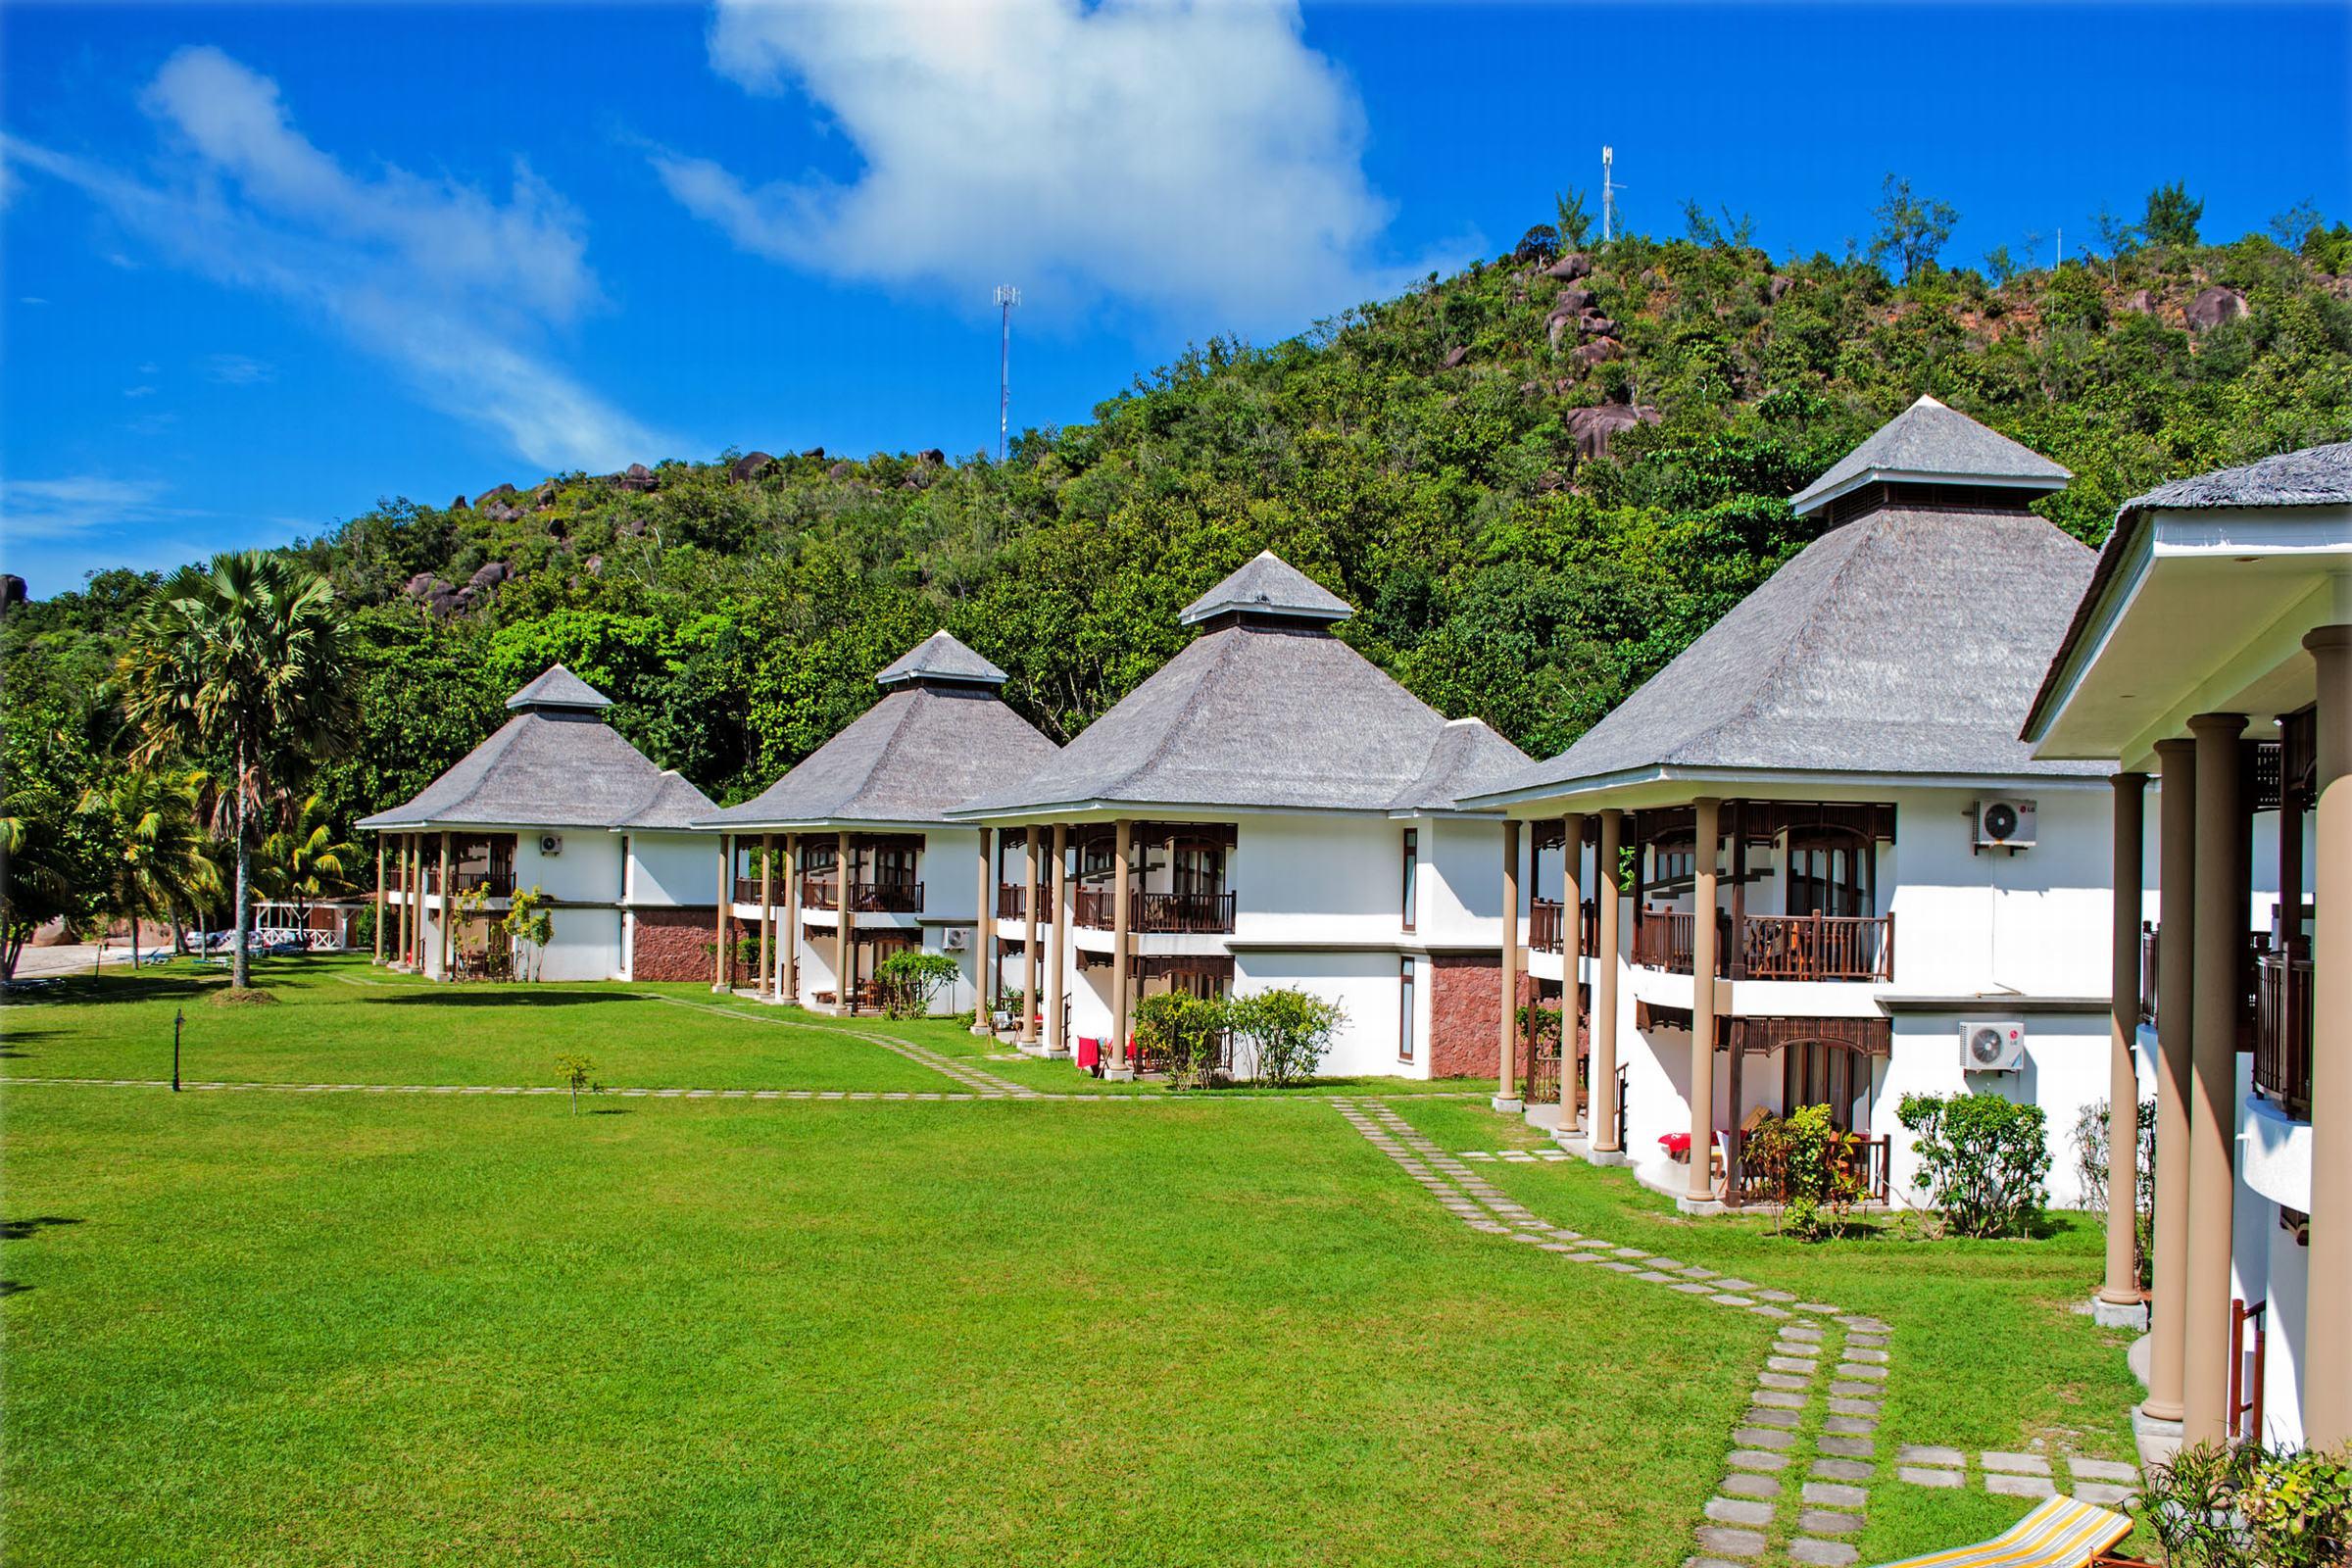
column 2119, row 1299
column 2327, row 1357
column 1027, row 1033
column 765, row 985
column 791, row 959
column 726, row 897
column 408, row 901
column 1122, row 962
column 1056, row 1037
column 1705, row 843
column 845, row 983
column 1607, row 900
column 1572, row 953
column 984, row 940
column 2176, row 998
column 2218, row 959
column 1506, row 1073
column 383, row 904
column 414, row 949
column 448, row 925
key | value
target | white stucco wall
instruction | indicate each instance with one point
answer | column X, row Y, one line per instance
column 677, row 869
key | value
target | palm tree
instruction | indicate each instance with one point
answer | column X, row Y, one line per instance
column 301, row 861
column 156, row 838
column 243, row 663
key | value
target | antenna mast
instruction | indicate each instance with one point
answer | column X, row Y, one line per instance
column 1007, row 298
column 1609, row 193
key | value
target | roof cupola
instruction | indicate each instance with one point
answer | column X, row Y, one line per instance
column 1931, row 457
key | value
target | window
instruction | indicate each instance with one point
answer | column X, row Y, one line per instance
column 1673, row 861
column 893, row 867
column 1198, row 868
column 1412, row 866
column 1830, row 874
column 1404, row 1007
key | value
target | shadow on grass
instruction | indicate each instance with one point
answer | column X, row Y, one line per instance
column 17, row 1230
column 91, row 989
column 463, row 996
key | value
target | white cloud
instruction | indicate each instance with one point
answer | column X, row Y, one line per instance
column 82, row 503
column 138, row 391
column 1196, row 158
column 239, row 370
column 458, row 289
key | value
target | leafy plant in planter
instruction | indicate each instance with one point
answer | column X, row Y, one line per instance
column 1982, row 1160
column 1184, row 1031
column 1815, row 1167
column 2251, row 1506
column 909, row 978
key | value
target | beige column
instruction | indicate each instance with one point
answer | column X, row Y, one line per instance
column 2327, row 1357
column 726, row 897
column 448, row 924
column 1122, row 853
column 1606, row 896
column 845, row 983
column 2176, row 996
column 984, row 940
column 383, row 904
column 2218, row 957
column 408, row 901
column 413, row 916
column 791, row 919
column 1506, row 1075
column 1027, row 1033
column 1703, row 1000
column 1057, row 1042
column 1571, row 951
column 2121, row 1287
column 767, row 983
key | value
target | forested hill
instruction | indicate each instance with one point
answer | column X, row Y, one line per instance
column 1538, row 480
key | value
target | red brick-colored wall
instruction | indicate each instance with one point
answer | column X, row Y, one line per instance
column 674, row 944
column 1465, row 1013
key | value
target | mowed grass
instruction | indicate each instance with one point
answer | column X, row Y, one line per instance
column 954, row 1038
column 266, row 1329
column 1991, row 1347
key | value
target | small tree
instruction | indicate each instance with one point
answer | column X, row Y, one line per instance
column 1287, row 1033
column 579, row 1073
column 1575, row 220
column 301, row 862
column 1185, row 1032
column 156, row 840
column 909, row 978
column 1541, row 243
column 528, row 924
column 1982, row 1160
column 2172, row 217
column 1912, row 228
column 2120, row 238
column 2091, row 1138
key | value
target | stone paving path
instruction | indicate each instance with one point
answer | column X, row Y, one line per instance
column 983, row 1084
column 2108, row 1482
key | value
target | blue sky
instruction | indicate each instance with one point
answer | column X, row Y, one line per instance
column 259, row 268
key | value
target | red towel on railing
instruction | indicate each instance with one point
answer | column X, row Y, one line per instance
column 1090, row 1052
column 1675, row 1143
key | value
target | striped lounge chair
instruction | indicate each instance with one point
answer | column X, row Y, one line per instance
column 2059, row 1534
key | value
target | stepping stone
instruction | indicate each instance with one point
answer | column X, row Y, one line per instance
column 1655, row 1277
column 1744, row 1486
column 1920, row 1475
column 1628, row 1251
column 1835, row 1495
column 1707, row 1562
column 1820, row 1553
column 2102, row 1470
column 1780, row 1380
column 1822, row 1522
column 1857, row 1407
column 1849, row 1426
column 1789, row 1363
column 1775, row 1295
column 1758, row 1459
column 1767, row 1310
column 1869, row 1341
column 1666, row 1263
column 1842, row 1470
column 1728, row 1300
column 1848, row 1447
column 1780, row 1400
column 1855, row 1390
column 2104, row 1493
column 1697, row 1273
column 1763, row 1438
column 1920, row 1453
column 1823, row 1308
column 1850, row 1369
column 1557, row 1246
column 1765, row 1417
column 1802, row 1331
column 1865, row 1325
column 1738, row 1511
column 2021, row 1486
column 1737, row 1284
column 1614, row 1263
column 1729, row 1543
column 1694, row 1288
column 2023, row 1464
column 1876, row 1357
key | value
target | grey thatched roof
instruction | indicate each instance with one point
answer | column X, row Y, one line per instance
column 557, row 765
column 1931, row 442
column 1257, row 716
column 935, row 741
column 940, row 657
column 560, row 688
column 1468, row 757
column 2312, row 476
column 1268, row 585
column 1903, row 643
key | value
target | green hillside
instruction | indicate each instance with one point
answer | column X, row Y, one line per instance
column 1538, row 487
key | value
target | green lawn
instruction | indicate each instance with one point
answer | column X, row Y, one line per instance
column 272, row 1328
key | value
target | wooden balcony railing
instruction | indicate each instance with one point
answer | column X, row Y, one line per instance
column 1818, row 946
column 1547, row 926
column 1012, row 906
column 1182, row 913
column 885, row 898
column 1664, row 939
column 2148, row 971
column 2283, row 1031
column 747, row 890
column 1755, row 1181
column 819, row 892
column 495, row 884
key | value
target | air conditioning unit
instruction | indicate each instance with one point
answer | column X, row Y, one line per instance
column 955, row 939
column 1992, row 1045
column 551, row 844
column 2004, row 825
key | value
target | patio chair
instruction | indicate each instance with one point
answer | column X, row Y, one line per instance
column 2060, row 1533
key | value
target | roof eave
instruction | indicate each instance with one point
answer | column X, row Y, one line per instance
column 1676, row 773
column 1808, row 501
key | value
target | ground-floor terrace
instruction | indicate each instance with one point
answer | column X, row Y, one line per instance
column 1455, row 1332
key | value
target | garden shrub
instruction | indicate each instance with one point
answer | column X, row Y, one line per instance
column 1814, row 1165
column 1285, row 1033
column 909, row 978
column 1186, row 1032
column 1983, row 1160
column 2089, row 1138
column 2251, row 1506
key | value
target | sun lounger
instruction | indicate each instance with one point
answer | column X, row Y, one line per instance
column 2061, row 1533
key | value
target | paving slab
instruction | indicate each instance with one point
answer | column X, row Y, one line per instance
column 2106, row 1494
column 2020, row 1464
column 1848, row 1447
column 1760, row 1459
column 1823, row 1522
column 1764, row 1438
column 1783, row 1400
column 1726, row 1542
column 1920, row 1475
column 1792, row 1363
column 1849, row 1426
column 2021, row 1486
column 1855, row 1390
column 2102, row 1470
column 1835, row 1495
column 1790, row 1419
column 1737, row 1485
column 1780, row 1380
column 1924, row 1454
column 1842, row 1470
column 1738, row 1511
column 1859, row 1369
column 1820, row 1553
column 1854, row 1353
column 1867, row 1409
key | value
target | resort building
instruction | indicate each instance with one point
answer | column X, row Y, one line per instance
column 851, row 856
column 559, row 802
column 2212, row 656
column 1812, row 862
column 1268, row 810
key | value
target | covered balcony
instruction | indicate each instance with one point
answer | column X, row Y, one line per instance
column 1818, row 861
column 1013, row 902
column 881, row 874
column 481, row 863
column 1176, row 880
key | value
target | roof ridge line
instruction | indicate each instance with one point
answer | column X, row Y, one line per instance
column 1768, row 679
column 1218, row 665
